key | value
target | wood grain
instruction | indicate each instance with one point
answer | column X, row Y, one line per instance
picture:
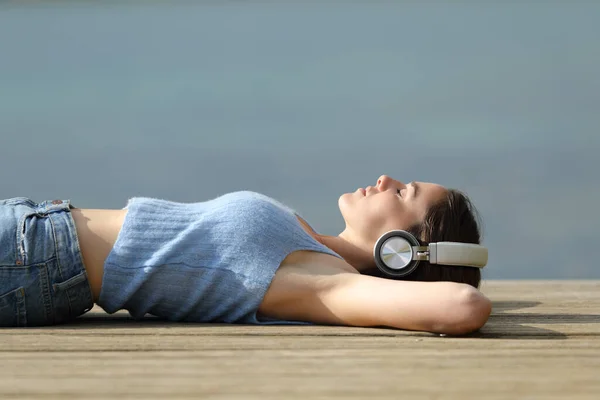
column 541, row 342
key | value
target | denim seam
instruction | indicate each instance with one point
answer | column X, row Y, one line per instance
column 70, row 221
column 48, row 300
column 43, row 272
column 59, row 265
column 21, row 308
column 10, row 266
column 20, row 256
column 69, row 283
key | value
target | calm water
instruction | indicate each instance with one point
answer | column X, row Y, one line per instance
column 187, row 101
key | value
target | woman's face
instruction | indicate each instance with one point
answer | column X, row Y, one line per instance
column 390, row 204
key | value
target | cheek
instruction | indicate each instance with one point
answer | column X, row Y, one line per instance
column 387, row 216
column 382, row 215
column 372, row 218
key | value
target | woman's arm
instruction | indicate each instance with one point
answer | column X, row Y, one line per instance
column 328, row 296
column 441, row 307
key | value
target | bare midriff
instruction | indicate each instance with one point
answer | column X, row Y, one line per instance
column 97, row 231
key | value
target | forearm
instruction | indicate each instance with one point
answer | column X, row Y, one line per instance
column 441, row 307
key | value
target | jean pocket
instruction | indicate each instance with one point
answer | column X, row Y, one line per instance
column 12, row 308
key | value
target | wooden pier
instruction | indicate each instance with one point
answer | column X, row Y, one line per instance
column 541, row 342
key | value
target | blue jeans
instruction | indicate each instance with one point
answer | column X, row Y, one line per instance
column 42, row 275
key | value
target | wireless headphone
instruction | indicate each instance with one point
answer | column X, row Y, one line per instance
column 398, row 253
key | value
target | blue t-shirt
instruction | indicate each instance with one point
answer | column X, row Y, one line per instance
column 211, row 261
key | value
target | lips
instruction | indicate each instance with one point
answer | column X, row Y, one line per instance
column 364, row 192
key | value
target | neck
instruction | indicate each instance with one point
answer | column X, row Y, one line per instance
column 355, row 254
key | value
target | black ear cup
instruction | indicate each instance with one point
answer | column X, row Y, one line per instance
column 394, row 254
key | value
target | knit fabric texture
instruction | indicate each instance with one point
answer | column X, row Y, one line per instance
column 211, row 261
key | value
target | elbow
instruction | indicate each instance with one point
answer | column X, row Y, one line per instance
column 471, row 311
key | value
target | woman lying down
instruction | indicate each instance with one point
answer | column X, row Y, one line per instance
column 408, row 258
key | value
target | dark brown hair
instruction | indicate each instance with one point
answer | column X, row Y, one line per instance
column 453, row 219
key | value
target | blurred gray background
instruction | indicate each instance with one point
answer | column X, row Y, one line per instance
column 102, row 101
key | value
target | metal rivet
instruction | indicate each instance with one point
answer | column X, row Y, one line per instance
column 19, row 262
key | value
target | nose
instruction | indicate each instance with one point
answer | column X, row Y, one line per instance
column 384, row 182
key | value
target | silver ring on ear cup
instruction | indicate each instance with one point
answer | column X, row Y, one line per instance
column 394, row 254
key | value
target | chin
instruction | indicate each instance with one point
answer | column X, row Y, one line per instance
column 343, row 201
column 346, row 197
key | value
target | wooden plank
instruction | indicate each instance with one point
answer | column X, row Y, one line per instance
column 542, row 341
